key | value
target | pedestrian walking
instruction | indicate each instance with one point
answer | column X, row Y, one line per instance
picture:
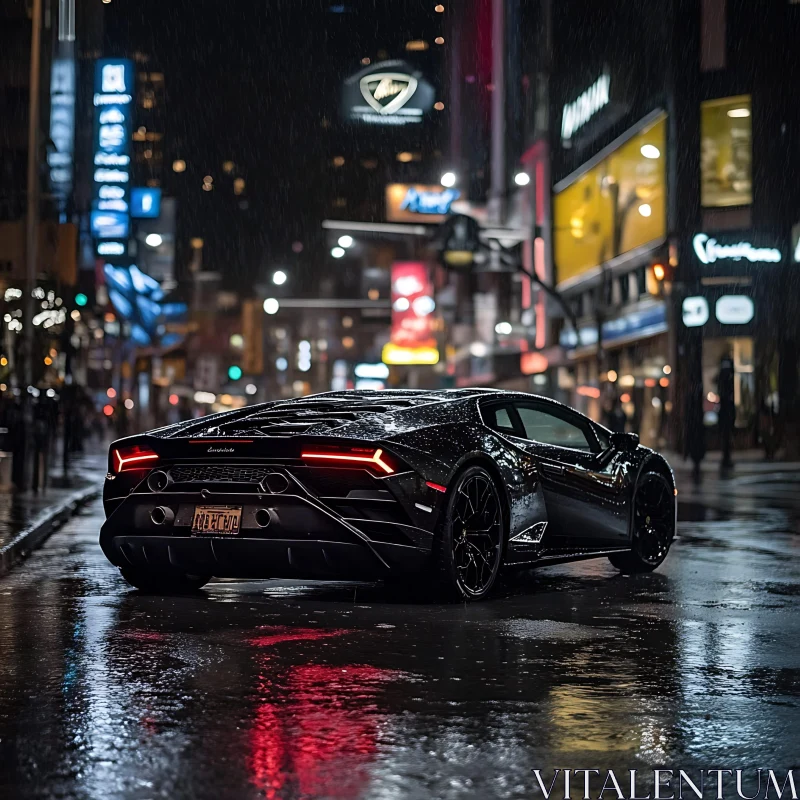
column 727, row 409
column 617, row 420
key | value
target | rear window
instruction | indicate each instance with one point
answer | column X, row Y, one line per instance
column 498, row 418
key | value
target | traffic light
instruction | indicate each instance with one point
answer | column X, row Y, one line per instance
column 458, row 241
column 84, row 297
column 234, row 372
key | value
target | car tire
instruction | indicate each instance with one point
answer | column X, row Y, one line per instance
column 472, row 536
column 163, row 582
column 652, row 525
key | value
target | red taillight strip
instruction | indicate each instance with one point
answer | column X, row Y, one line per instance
column 375, row 458
column 437, row 486
column 132, row 459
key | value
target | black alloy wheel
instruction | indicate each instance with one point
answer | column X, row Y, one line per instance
column 473, row 535
column 653, row 525
column 163, row 581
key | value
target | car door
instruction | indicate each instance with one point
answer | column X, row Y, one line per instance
column 583, row 487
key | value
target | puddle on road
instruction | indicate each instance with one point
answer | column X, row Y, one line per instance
column 552, row 630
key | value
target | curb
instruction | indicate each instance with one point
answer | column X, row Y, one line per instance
column 42, row 526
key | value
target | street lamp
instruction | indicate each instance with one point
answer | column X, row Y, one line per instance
column 271, row 305
column 153, row 240
column 279, row 277
column 345, row 241
column 448, row 179
column 522, row 179
column 337, row 252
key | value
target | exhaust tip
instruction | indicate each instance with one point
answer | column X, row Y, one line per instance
column 276, row 483
column 158, row 481
column 262, row 517
column 161, row 515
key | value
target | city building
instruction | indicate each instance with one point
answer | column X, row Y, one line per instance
column 669, row 141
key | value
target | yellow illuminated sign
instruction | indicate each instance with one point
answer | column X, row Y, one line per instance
column 394, row 354
column 615, row 206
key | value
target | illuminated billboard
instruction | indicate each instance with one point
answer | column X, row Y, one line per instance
column 113, row 107
column 614, row 206
column 412, row 339
column 389, row 93
column 418, row 202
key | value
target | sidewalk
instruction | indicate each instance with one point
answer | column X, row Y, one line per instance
column 28, row 518
column 752, row 487
column 744, row 462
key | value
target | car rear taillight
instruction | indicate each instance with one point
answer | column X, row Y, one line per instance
column 377, row 459
column 135, row 457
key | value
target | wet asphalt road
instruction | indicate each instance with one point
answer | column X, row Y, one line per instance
column 284, row 689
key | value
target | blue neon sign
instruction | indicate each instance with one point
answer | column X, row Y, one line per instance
column 109, row 225
column 137, row 298
column 113, row 100
column 145, row 202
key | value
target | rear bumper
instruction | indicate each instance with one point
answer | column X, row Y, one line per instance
column 304, row 539
column 264, row 558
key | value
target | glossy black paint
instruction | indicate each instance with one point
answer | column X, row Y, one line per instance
column 325, row 521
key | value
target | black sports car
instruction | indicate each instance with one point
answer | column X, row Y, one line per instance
column 386, row 484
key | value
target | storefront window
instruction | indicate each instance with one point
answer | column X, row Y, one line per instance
column 726, row 152
column 614, row 206
column 741, row 348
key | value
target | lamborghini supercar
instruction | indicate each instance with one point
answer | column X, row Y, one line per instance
column 449, row 486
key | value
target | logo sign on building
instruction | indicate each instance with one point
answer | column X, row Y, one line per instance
column 412, row 339
column 734, row 309
column 145, row 202
column 62, row 127
column 695, row 311
column 709, row 251
column 577, row 113
column 418, row 203
column 388, row 93
column 113, row 102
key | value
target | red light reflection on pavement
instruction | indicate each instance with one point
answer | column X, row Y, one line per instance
column 315, row 730
column 267, row 751
column 284, row 633
column 143, row 636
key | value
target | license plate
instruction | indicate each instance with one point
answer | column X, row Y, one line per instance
column 223, row 520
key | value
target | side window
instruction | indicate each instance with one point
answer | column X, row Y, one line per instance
column 541, row 425
column 498, row 418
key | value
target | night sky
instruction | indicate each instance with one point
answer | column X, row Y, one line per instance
column 258, row 84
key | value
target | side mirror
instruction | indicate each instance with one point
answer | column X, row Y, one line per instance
column 625, row 442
